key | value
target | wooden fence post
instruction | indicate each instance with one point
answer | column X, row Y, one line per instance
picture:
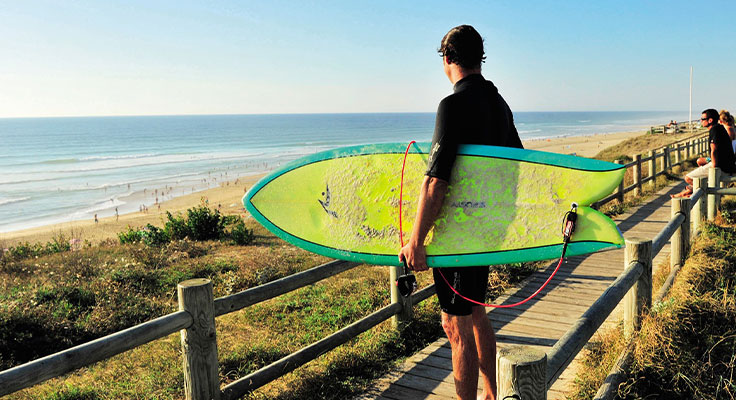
column 199, row 341
column 699, row 212
column 620, row 191
column 639, row 297
column 400, row 320
column 522, row 371
column 677, row 155
column 688, row 149
column 637, row 174
column 653, row 169
column 680, row 241
column 714, row 178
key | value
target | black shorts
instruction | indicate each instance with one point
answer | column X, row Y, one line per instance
column 470, row 282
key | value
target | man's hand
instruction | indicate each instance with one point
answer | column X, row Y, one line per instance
column 431, row 196
column 415, row 256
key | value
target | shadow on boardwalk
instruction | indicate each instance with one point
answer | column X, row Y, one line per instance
column 542, row 320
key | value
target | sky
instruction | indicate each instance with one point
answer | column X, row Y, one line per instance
column 130, row 57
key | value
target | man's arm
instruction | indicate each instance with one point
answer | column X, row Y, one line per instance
column 713, row 155
column 431, row 197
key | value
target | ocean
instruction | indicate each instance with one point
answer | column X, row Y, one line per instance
column 64, row 169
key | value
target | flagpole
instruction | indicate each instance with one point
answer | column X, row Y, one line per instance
column 690, row 118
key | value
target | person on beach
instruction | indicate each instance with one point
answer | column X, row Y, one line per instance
column 721, row 151
column 474, row 114
column 96, row 220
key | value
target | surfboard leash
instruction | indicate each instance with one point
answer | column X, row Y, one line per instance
column 407, row 283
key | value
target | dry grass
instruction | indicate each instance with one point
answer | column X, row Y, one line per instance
column 642, row 144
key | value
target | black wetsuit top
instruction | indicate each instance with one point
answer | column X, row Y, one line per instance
column 474, row 114
column 724, row 150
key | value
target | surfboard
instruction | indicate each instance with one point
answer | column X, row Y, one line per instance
column 504, row 205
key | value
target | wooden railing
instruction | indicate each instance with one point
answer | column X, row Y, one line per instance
column 528, row 372
column 198, row 310
column 659, row 162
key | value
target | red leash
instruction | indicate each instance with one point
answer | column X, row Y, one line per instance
column 568, row 228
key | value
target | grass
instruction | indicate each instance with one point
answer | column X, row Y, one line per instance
column 686, row 348
column 642, row 144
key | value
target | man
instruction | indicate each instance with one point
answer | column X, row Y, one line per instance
column 474, row 114
column 721, row 151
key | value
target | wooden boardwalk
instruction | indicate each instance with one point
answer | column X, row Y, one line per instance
column 541, row 321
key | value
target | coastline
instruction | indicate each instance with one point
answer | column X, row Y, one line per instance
column 228, row 197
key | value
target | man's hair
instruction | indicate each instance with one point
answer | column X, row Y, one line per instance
column 463, row 46
column 711, row 113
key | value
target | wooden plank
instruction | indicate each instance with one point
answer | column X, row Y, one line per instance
column 527, row 320
column 531, row 331
column 427, row 385
column 536, row 315
column 425, row 371
column 578, row 292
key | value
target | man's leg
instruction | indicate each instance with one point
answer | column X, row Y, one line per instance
column 485, row 342
column 459, row 330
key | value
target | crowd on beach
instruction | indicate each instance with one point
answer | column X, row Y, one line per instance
column 722, row 139
column 158, row 196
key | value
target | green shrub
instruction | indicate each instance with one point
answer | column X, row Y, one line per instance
column 24, row 250
column 176, row 227
column 58, row 244
column 156, row 237
column 239, row 234
column 204, row 223
column 131, row 236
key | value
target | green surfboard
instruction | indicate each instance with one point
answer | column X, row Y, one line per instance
column 504, row 205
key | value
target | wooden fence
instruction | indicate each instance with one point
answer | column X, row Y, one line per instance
column 198, row 309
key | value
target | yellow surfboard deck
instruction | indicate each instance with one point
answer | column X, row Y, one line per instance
column 503, row 205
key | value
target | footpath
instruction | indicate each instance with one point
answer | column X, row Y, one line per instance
column 541, row 321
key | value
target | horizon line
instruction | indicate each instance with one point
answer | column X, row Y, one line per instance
column 308, row 113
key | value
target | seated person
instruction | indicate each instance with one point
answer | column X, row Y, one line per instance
column 721, row 151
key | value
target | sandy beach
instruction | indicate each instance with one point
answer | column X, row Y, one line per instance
column 227, row 197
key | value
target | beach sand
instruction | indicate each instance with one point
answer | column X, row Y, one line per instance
column 228, row 197
column 584, row 146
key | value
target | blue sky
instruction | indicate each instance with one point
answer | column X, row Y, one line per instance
column 68, row 58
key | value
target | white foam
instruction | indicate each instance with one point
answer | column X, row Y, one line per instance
column 13, row 200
